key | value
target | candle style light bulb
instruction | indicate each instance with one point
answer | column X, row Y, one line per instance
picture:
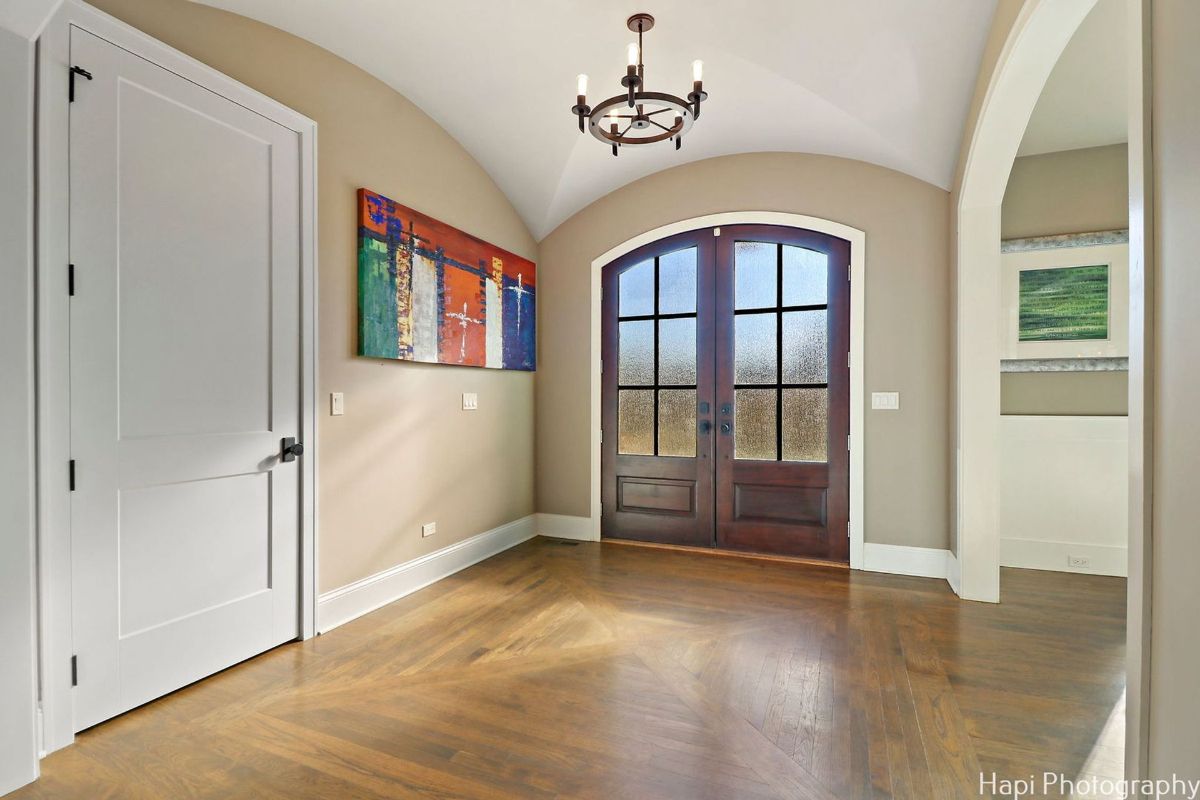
column 581, row 83
column 631, row 52
column 697, row 70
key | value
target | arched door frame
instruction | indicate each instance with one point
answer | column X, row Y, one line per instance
column 1038, row 37
column 858, row 244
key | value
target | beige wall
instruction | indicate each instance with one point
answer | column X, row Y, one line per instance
column 1104, row 394
column 404, row 453
column 1175, row 648
column 907, row 325
column 1075, row 191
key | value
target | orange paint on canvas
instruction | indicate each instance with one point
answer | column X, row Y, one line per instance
column 463, row 337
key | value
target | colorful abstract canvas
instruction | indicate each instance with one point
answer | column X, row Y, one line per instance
column 429, row 292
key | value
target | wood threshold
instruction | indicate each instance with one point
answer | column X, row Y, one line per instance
column 717, row 551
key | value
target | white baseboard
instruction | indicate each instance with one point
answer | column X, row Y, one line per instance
column 375, row 591
column 1037, row 554
column 563, row 526
column 924, row 562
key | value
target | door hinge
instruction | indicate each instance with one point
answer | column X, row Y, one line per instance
column 71, row 279
column 847, row 441
column 847, row 530
column 847, row 359
column 72, row 474
column 77, row 71
column 74, row 670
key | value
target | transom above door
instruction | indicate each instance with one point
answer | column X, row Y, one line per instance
column 725, row 410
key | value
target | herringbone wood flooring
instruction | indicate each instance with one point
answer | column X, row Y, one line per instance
column 610, row 671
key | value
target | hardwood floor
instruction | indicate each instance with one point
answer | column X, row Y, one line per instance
column 600, row 671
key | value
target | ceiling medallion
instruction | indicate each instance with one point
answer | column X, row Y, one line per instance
column 638, row 116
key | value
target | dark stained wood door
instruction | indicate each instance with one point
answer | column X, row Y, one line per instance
column 726, row 388
column 782, row 391
column 657, row 384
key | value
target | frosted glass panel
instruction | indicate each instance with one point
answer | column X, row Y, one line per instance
column 676, row 351
column 805, row 424
column 677, row 422
column 755, row 275
column 635, row 422
column 637, row 290
column 754, row 348
column 805, row 277
column 754, row 424
column 636, row 362
column 806, row 347
column 677, row 282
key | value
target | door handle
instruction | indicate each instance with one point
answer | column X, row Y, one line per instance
column 705, row 426
column 726, row 428
column 289, row 448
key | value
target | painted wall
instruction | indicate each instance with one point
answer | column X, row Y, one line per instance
column 404, row 453
column 907, row 325
column 1175, row 650
column 18, row 753
column 1075, row 191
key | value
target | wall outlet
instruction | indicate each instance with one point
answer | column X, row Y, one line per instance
column 1079, row 562
column 470, row 401
column 428, row 529
column 336, row 404
column 885, row 401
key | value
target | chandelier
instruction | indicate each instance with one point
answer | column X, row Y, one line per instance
column 638, row 116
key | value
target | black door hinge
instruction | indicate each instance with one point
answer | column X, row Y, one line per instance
column 71, row 279
column 72, row 474
column 77, row 71
column 74, row 670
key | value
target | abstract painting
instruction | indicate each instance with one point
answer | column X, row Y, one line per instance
column 1063, row 304
column 429, row 292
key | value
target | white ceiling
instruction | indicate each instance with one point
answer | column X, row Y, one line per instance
column 884, row 81
column 1083, row 103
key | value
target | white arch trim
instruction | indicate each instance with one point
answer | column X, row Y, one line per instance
column 858, row 261
column 1037, row 40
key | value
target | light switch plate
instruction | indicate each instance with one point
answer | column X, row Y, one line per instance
column 428, row 529
column 470, row 401
column 336, row 404
column 885, row 401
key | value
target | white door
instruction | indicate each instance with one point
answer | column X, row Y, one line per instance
column 185, row 376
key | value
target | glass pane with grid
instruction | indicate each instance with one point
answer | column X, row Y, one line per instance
column 657, row 320
column 781, row 353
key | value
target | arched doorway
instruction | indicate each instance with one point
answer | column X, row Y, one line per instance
column 726, row 391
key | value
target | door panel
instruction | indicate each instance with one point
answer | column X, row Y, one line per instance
column 782, row 383
column 747, row 328
column 185, row 373
column 657, row 390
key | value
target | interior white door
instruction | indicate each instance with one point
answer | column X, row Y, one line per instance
column 185, row 376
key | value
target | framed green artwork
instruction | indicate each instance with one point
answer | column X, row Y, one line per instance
column 1063, row 304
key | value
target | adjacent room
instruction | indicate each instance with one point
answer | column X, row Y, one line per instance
column 560, row 400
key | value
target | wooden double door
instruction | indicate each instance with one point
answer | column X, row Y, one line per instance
column 726, row 387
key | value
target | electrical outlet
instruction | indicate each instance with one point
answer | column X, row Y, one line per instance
column 428, row 529
column 1079, row 562
column 470, row 401
column 336, row 404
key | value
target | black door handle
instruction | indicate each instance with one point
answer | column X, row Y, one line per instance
column 289, row 449
column 726, row 428
column 705, row 426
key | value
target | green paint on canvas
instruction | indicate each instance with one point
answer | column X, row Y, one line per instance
column 376, row 300
column 1064, row 304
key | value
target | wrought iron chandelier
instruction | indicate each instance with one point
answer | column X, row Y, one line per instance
column 639, row 116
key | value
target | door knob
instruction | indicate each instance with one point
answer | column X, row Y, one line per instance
column 705, row 426
column 726, row 428
column 290, row 448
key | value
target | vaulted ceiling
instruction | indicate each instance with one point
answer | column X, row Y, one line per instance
column 884, row 81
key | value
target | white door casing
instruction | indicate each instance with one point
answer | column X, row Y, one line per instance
column 185, row 375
